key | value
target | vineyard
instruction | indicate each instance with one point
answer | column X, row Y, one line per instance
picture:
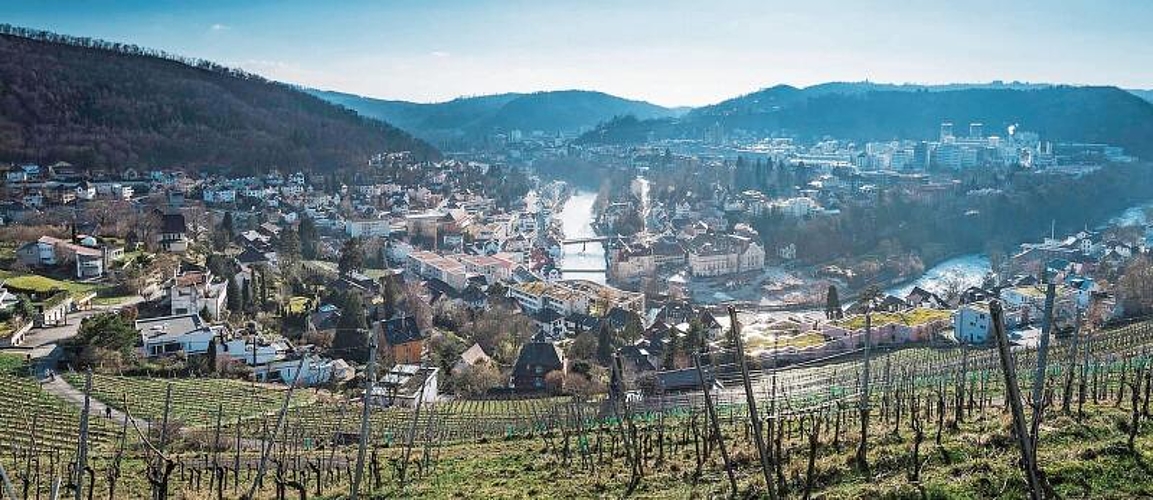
column 913, row 422
column 194, row 401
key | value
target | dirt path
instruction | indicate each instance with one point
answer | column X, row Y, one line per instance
column 63, row 390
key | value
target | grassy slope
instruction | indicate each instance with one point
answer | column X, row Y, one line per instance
column 1081, row 458
column 41, row 284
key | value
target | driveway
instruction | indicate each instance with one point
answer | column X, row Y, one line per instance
column 38, row 337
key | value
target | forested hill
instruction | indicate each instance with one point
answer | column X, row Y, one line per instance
column 102, row 105
column 1059, row 113
column 468, row 120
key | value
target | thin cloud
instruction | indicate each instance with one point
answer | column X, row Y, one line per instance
column 440, row 53
column 219, row 27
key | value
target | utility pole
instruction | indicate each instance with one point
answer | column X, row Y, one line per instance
column 1009, row 369
column 369, row 385
column 8, row 491
column 1042, row 365
column 266, row 449
column 752, row 401
column 82, row 451
column 1067, row 394
column 411, row 438
column 712, row 413
column 863, row 448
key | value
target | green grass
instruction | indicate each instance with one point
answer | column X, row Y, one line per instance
column 298, row 304
column 130, row 256
column 1081, row 458
column 111, row 301
column 34, row 283
column 799, row 341
column 377, row 273
column 10, row 364
column 323, row 265
column 8, row 251
column 918, row 316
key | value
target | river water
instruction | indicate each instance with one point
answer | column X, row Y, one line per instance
column 968, row 270
column 576, row 217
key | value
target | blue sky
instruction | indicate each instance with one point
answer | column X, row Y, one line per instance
column 670, row 52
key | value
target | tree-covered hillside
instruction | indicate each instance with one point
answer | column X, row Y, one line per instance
column 1059, row 113
column 468, row 120
column 103, row 105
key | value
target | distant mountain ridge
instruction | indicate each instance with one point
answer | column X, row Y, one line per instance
column 1144, row 94
column 862, row 112
column 100, row 104
column 473, row 118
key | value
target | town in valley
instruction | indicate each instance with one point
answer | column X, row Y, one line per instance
column 292, row 291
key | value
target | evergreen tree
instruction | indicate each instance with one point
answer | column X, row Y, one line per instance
column 228, row 225
column 246, row 296
column 289, row 247
column 350, row 341
column 262, row 292
column 211, row 355
column 833, row 304
column 604, row 344
column 695, row 338
column 235, row 300
column 309, row 239
column 671, row 350
column 352, row 313
column 351, row 257
column 633, row 328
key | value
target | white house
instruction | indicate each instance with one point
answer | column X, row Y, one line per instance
column 257, row 353
column 406, row 385
column 18, row 175
column 219, row 195
column 49, row 251
column 85, row 191
column 719, row 255
column 195, row 291
column 167, row 335
column 123, row 191
column 367, row 228
column 313, row 370
column 973, row 324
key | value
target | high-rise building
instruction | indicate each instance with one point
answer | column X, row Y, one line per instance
column 976, row 130
column 921, row 153
column 946, row 131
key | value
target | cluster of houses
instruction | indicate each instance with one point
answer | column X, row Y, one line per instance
column 434, row 229
column 707, row 253
column 33, row 190
column 439, row 228
column 272, row 358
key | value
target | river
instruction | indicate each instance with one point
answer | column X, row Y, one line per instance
column 968, row 270
column 576, row 218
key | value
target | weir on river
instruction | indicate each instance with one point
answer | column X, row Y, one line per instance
column 587, row 255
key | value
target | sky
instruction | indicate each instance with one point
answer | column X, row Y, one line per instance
column 671, row 52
